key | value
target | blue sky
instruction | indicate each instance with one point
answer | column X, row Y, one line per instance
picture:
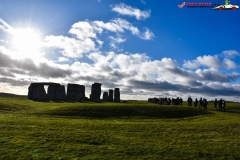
column 146, row 48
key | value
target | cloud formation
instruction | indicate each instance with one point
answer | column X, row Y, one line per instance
column 135, row 74
column 124, row 9
column 85, row 36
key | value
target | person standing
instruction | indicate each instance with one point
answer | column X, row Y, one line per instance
column 200, row 103
column 196, row 102
column 220, row 105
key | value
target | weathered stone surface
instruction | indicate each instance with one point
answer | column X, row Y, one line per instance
column 116, row 95
column 80, row 92
column 96, row 91
column 105, row 96
column 110, row 96
column 51, row 92
column 37, row 92
column 71, row 92
column 75, row 92
column 60, row 93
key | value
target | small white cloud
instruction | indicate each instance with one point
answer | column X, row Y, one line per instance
column 229, row 64
column 130, row 11
column 115, row 41
column 62, row 59
column 209, row 61
column 147, row 35
column 230, row 53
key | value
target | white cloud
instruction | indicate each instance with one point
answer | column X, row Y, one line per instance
column 130, row 11
column 115, row 41
column 147, row 35
column 85, row 36
column 209, row 61
column 230, row 53
column 62, row 59
column 71, row 47
column 229, row 64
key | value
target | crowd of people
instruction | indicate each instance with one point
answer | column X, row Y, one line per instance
column 221, row 104
column 201, row 103
column 166, row 101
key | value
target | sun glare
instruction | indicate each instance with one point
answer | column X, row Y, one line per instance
column 26, row 42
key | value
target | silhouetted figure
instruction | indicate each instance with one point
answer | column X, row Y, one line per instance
column 223, row 105
column 196, row 102
column 180, row 101
column 169, row 101
column 177, row 101
column 205, row 103
column 215, row 103
column 200, row 103
column 220, row 105
column 189, row 101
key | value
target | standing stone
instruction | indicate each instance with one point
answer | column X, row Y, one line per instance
column 75, row 92
column 52, row 88
column 116, row 95
column 30, row 92
column 60, row 93
column 110, row 97
column 71, row 92
column 80, row 92
column 39, row 92
column 105, row 96
column 96, row 91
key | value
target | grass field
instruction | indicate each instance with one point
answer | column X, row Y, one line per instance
column 132, row 130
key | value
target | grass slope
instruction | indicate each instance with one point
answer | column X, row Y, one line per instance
column 133, row 130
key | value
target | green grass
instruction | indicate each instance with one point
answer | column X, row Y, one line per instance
column 133, row 130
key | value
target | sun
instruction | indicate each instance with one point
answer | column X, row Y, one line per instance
column 26, row 42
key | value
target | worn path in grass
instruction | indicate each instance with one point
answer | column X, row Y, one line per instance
column 133, row 130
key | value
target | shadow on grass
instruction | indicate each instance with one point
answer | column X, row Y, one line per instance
column 120, row 111
column 10, row 107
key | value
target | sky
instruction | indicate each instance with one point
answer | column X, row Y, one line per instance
column 147, row 48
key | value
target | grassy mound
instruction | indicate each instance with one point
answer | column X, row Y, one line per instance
column 110, row 110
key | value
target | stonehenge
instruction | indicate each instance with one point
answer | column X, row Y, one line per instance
column 110, row 95
column 96, row 91
column 105, row 96
column 116, row 95
column 75, row 92
column 55, row 91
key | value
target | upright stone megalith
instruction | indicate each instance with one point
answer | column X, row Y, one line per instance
column 60, row 93
column 71, row 92
column 80, row 92
column 36, row 91
column 52, row 88
column 96, row 91
column 105, row 96
column 110, row 95
column 75, row 92
column 116, row 95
